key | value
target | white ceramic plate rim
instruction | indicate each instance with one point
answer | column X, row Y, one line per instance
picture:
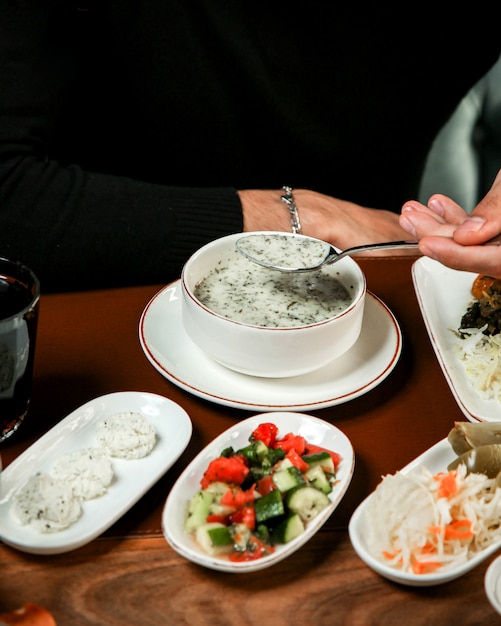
column 132, row 477
column 169, row 349
column 491, row 585
column 443, row 295
column 435, row 459
column 313, row 429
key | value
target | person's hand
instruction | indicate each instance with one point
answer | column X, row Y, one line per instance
column 449, row 235
column 340, row 223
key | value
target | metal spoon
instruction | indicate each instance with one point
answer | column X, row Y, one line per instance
column 297, row 253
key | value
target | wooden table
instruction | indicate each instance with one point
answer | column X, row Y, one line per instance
column 88, row 346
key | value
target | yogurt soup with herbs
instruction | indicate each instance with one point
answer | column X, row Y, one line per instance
column 245, row 292
column 285, row 251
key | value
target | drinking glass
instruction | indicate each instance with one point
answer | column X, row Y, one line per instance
column 19, row 304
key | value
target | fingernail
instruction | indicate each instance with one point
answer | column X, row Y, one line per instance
column 473, row 223
column 436, row 206
column 427, row 252
column 407, row 225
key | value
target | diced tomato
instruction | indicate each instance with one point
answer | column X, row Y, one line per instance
column 237, row 497
column 297, row 461
column 246, row 515
column 221, row 519
column 291, row 441
column 265, row 485
column 313, row 449
column 481, row 285
column 231, row 469
column 256, row 549
column 266, row 432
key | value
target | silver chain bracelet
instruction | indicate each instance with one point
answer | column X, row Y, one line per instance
column 288, row 199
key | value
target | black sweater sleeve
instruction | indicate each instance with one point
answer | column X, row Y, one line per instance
column 77, row 228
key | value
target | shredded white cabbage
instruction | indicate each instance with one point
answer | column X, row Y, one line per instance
column 421, row 523
column 481, row 357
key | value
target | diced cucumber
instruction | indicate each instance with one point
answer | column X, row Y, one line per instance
column 263, row 533
column 255, row 452
column 220, row 536
column 291, row 527
column 261, row 449
column 214, row 538
column 288, row 478
column 220, row 509
column 198, row 509
column 269, row 506
column 241, row 535
column 283, row 464
column 308, row 502
column 323, row 459
column 218, row 488
column 275, row 455
column 317, row 478
column 256, row 473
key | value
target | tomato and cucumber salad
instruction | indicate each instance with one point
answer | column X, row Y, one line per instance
column 261, row 495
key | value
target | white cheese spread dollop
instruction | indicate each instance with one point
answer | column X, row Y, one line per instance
column 88, row 471
column 126, row 435
column 46, row 504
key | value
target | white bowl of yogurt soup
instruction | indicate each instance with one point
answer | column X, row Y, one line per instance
column 263, row 322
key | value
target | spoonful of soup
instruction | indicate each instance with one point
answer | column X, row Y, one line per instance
column 297, row 253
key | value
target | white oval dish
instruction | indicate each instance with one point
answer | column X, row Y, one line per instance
column 313, row 429
column 435, row 460
column 442, row 310
column 492, row 584
column 132, row 477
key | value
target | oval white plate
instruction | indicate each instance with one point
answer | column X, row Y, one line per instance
column 132, row 477
column 170, row 350
column 492, row 584
column 313, row 429
column 435, row 460
column 442, row 309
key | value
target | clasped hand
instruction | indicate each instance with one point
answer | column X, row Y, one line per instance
column 450, row 235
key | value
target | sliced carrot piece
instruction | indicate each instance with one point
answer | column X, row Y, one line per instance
column 389, row 555
column 448, row 485
column 425, row 567
column 459, row 529
column 428, row 548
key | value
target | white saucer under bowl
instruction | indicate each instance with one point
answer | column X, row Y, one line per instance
column 169, row 349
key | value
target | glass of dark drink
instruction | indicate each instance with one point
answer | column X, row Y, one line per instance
column 19, row 302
